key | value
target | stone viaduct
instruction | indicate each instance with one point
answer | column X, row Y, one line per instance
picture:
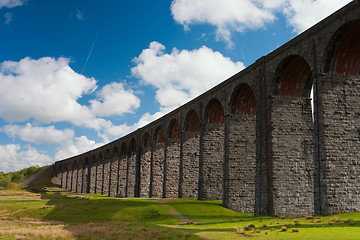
column 252, row 141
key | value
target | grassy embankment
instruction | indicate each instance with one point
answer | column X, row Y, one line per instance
column 54, row 214
column 49, row 215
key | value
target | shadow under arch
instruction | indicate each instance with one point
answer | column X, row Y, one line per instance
column 342, row 55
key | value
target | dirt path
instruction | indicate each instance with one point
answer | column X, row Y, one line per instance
column 183, row 220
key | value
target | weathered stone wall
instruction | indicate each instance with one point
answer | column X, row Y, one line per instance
column 106, row 177
column 292, row 156
column 122, row 176
column 85, row 176
column 131, row 175
column 93, row 171
column 242, row 163
column 190, row 168
column 341, row 139
column 213, row 146
column 99, row 176
column 68, row 179
column 114, row 175
column 172, row 168
column 79, row 179
column 145, row 172
column 158, row 170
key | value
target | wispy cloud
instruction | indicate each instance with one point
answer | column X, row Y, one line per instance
column 11, row 3
column 8, row 18
column 79, row 15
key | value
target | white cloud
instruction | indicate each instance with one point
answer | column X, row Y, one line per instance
column 80, row 145
column 302, row 14
column 240, row 15
column 39, row 135
column 46, row 90
column 226, row 16
column 11, row 3
column 114, row 99
column 13, row 158
column 182, row 75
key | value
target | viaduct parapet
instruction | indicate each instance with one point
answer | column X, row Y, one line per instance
column 253, row 140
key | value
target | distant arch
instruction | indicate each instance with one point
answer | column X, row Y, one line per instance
column 215, row 112
column 192, row 122
column 132, row 145
column 293, row 77
column 174, row 129
column 123, row 149
column 243, row 100
column 146, row 140
column 342, row 54
column 159, row 136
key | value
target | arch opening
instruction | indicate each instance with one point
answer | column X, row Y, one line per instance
column 293, row 78
column 159, row 135
column 243, row 101
column 344, row 50
column 192, row 122
column 174, row 129
column 215, row 113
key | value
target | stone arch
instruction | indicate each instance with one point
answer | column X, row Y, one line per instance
column 192, row 122
column 106, row 172
column 174, row 131
column 241, row 147
column 243, row 100
column 342, row 54
column 131, row 179
column 292, row 128
column 215, row 112
column 191, row 152
column 114, row 171
column 212, row 171
column 293, row 77
column 172, row 161
column 145, row 165
column 158, row 163
column 159, row 136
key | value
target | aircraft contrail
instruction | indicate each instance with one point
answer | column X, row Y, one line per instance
column 87, row 59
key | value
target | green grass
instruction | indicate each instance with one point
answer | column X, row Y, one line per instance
column 214, row 221
column 148, row 219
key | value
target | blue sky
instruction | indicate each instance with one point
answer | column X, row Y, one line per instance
column 76, row 74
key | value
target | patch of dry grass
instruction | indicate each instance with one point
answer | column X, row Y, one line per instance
column 18, row 195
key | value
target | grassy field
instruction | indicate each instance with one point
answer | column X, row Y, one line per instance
column 55, row 215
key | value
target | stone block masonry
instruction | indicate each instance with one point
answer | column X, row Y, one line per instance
column 257, row 141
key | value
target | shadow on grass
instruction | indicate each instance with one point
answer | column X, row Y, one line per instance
column 102, row 217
